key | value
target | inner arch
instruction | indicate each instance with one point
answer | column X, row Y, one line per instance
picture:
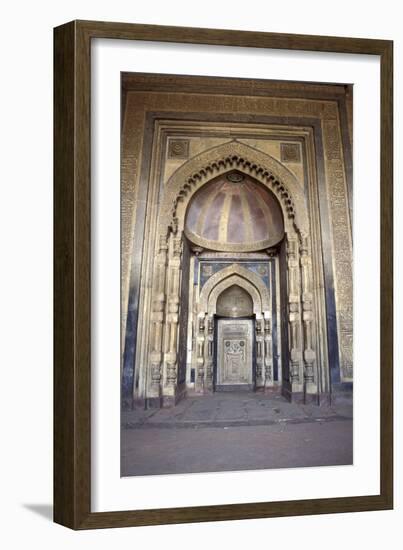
column 234, row 302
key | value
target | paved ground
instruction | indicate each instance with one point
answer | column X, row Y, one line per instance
column 234, row 431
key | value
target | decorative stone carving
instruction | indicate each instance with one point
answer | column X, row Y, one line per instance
column 235, row 177
column 268, row 355
column 307, row 317
column 197, row 250
column 172, row 314
column 294, row 312
column 259, row 353
column 290, row 152
column 342, row 245
column 157, row 316
column 262, row 270
column 278, row 106
column 243, row 277
column 207, row 270
column 299, row 287
column 234, row 352
column 346, row 344
column 209, row 351
column 178, row 148
column 199, row 381
column 331, row 138
column 219, row 160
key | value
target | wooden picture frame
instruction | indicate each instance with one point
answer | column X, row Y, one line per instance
column 72, row 271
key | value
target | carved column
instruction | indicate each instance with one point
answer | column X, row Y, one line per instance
column 294, row 318
column 259, row 353
column 268, row 355
column 209, row 349
column 199, row 379
column 307, row 316
column 157, row 319
column 172, row 317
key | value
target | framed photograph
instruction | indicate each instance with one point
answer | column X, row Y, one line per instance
column 223, row 275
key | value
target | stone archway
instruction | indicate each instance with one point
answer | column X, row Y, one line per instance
column 183, row 184
column 226, row 283
column 207, row 307
column 187, row 179
column 245, row 278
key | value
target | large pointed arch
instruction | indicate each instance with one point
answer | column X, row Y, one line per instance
column 169, row 245
column 192, row 175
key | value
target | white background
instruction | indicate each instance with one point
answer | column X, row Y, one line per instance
column 26, row 285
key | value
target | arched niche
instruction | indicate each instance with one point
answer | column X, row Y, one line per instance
column 234, row 302
column 234, row 280
column 199, row 170
column 171, row 250
column 234, row 213
column 241, row 276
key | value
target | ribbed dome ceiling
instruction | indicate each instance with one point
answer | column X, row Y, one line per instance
column 234, row 212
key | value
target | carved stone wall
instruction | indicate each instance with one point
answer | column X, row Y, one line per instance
column 256, row 296
column 342, row 244
column 166, row 160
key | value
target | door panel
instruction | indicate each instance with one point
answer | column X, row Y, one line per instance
column 234, row 357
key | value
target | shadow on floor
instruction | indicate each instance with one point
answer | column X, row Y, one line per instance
column 44, row 510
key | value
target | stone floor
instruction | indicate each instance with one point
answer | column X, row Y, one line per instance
column 234, row 431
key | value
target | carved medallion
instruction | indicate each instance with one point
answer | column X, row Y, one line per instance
column 262, row 270
column 178, row 149
column 290, row 152
column 235, row 177
column 207, row 270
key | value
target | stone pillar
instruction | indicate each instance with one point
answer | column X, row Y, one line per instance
column 307, row 317
column 268, row 352
column 157, row 321
column 200, row 354
column 172, row 320
column 209, row 351
column 294, row 316
column 259, row 353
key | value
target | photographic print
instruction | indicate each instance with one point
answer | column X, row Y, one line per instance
column 203, row 240
column 236, row 274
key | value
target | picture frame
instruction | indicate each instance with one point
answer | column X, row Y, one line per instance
column 72, row 274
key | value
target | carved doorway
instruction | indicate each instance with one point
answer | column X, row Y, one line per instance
column 234, row 364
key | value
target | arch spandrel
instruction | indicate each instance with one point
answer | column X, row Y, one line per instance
column 241, row 276
column 192, row 175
